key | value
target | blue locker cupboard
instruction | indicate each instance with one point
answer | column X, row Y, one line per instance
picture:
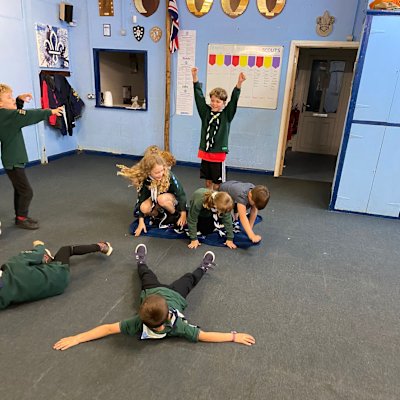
column 368, row 171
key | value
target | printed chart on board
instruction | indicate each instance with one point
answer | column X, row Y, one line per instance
column 260, row 64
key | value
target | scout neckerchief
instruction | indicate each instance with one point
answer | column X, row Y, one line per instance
column 212, row 129
column 218, row 226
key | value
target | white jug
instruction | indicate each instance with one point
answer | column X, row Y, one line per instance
column 108, row 99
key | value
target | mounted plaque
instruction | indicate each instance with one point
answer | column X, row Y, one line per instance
column 106, row 8
column 234, row 8
column 270, row 8
column 199, row 7
column 146, row 7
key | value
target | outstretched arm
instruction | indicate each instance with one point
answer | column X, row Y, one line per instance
column 219, row 337
column 96, row 333
column 248, row 225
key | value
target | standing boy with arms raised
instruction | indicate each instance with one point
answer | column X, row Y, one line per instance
column 13, row 151
column 215, row 125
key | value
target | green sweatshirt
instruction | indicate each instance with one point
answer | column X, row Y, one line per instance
column 226, row 117
column 13, row 151
column 197, row 210
column 26, row 278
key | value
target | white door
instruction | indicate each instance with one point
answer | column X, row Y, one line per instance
column 324, row 99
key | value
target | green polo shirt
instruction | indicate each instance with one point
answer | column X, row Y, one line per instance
column 174, row 300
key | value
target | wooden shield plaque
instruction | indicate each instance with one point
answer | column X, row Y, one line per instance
column 234, row 8
column 270, row 8
column 146, row 7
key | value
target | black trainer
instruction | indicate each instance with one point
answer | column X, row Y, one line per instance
column 208, row 261
column 140, row 253
column 169, row 219
column 26, row 224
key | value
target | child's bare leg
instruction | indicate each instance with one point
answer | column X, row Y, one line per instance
column 167, row 201
column 146, row 207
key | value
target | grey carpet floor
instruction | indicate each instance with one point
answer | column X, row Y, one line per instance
column 320, row 295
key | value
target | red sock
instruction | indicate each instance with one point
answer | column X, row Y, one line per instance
column 21, row 218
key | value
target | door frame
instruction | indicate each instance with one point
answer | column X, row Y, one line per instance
column 291, row 73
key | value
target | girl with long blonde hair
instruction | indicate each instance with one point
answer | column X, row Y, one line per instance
column 158, row 188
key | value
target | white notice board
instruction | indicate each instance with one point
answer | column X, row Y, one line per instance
column 260, row 64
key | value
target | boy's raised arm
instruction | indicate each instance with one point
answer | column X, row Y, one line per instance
column 241, row 79
column 194, row 74
column 219, row 337
column 96, row 333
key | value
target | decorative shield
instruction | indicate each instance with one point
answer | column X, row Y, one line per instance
column 138, row 32
column 270, row 8
column 325, row 24
column 155, row 33
column 234, row 8
column 199, row 7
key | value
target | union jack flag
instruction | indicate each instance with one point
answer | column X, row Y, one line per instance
column 173, row 38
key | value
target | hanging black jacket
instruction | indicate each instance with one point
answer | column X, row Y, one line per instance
column 56, row 92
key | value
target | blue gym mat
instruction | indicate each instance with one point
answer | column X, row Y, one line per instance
column 213, row 239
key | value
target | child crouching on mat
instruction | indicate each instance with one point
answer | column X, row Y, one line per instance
column 158, row 190
column 247, row 196
column 160, row 313
column 36, row 274
column 210, row 211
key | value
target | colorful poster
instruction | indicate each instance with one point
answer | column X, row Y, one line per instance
column 52, row 46
column 260, row 64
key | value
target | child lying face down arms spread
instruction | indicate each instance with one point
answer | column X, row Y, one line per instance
column 160, row 313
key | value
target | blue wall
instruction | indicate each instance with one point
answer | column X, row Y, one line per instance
column 19, row 67
column 253, row 130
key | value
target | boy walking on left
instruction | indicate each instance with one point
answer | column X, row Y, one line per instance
column 13, row 151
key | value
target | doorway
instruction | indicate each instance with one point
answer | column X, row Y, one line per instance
column 317, row 94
